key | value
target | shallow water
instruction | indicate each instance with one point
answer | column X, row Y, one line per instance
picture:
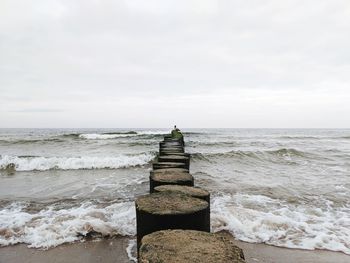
column 287, row 188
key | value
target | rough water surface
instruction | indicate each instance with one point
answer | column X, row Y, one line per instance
column 287, row 188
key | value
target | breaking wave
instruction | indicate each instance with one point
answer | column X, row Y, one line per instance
column 283, row 152
column 21, row 163
column 250, row 218
column 32, row 141
column 114, row 135
column 97, row 136
column 260, row 219
column 50, row 227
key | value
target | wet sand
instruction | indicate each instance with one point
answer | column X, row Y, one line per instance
column 104, row 251
column 261, row 253
column 114, row 250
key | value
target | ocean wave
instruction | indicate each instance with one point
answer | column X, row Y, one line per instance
column 70, row 135
column 50, row 227
column 129, row 132
column 203, row 143
column 250, row 218
column 287, row 151
column 314, row 137
column 159, row 132
column 260, row 219
column 31, row 141
column 98, row 136
column 147, row 134
column 115, row 135
column 300, row 137
column 283, row 152
column 73, row 163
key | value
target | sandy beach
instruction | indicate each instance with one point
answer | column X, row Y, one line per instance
column 114, row 250
column 269, row 254
column 106, row 251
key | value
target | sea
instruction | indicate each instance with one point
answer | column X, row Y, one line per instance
column 282, row 187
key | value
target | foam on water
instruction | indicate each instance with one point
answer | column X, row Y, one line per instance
column 153, row 132
column 73, row 163
column 260, row 219
column 250, row 218
column 96, row 136
column 131, row 250
column 106, row 136
column 293, row 184
column 50, row 227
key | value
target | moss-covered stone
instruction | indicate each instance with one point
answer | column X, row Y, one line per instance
column 177, row 134
column 179, row 246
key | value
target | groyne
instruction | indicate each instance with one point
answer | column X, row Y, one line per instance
column 173, row 220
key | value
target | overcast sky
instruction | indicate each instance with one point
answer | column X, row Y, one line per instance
column 196, row 63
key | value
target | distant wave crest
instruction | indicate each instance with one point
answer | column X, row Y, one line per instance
column 287, row 151
column 28, row 163
column 30, row 141
column 97, row 136
column 283, row 152
column 114, row 135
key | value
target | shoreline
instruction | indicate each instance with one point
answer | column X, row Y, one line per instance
column 263, row 253
column 114, row 250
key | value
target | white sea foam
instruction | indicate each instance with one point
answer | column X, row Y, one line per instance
column 72, row 163
column 251, row 218
column 50, row 227
column 256, row 218
column 104, row 136
column 96, row 136
column 131, row 250
column 153, row 132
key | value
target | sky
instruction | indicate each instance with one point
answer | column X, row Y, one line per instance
column 194, row 63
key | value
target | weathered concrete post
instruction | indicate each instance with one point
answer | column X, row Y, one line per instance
column 188, row 246
column 184, row 189
column 175, row 159
column 171, row 149
column 175, row 204
column 170, row 210
column 187, row 190
column 165, row 165
column 170, row 177
column 176, row 153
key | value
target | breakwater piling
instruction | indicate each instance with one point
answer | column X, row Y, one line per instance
column 173, row 221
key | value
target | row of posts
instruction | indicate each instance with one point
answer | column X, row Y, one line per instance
column 173, row 221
